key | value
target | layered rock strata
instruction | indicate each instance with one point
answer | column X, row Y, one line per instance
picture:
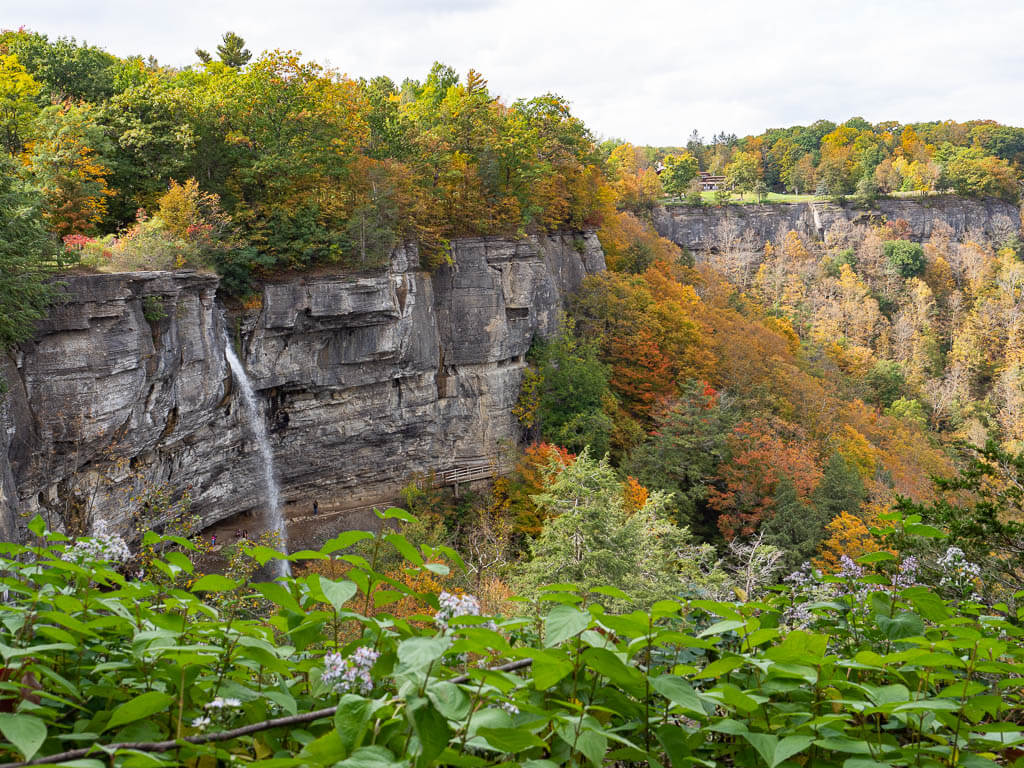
column 365, row 379
column 715, row 227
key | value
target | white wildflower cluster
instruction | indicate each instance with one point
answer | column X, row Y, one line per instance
column 849, row 569
column 352, row 672
column 907, row 574
column 218, row 708
column 509, row 707
column 807, row 588
column 452, row 606
column 220, row 702
column 958, row 572
column 100, row 546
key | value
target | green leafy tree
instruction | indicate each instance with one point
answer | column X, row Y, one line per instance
column 64, row 68
column 867, row 190
column 18, row 107
column 573, row 393
column 887, row 382
column 742, row 173
column 67, row 165
column 908, row 409
column 906, row 258
column 153, row 143
column 27, row 257
column 972, row 173
column 592, row 539
column 679, row 171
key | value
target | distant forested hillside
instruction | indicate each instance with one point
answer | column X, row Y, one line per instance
column 979, row 158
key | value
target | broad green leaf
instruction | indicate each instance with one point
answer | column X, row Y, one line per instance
column 146, row 705
column 450, row 700
column 611, row 666
column 590, row 741
column 721, row 667
column 510, row 740
column 263, row 555
column 431, row 729
column 721, row 627
column 563, row 622
column 25, row 732
column 214, row 582
column 405, row 549
column 37, row 526
column 799, row 646
column 421, row 652
column 876, row 557
column 920, row 529
column 344, row 541
column 338, row 592
column 903, row 625
column 927, row 603
column 372, row 757
column 548, row 668
column 773, row 749
column 394, row 513
column 326, row 750
column 179, row 560
column 277, row 594
column 680, row 693
column 673, row 740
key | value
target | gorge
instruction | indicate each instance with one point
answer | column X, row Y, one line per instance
column 364, row 379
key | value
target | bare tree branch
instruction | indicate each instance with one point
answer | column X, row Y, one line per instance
column 209, row 738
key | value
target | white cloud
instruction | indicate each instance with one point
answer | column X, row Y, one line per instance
column 647, row 71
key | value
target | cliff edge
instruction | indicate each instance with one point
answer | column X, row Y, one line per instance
column 364, row 379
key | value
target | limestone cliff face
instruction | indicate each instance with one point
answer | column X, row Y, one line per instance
column 364, row 380
column 706, row 228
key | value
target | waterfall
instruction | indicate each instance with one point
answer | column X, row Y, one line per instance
column 259, row 431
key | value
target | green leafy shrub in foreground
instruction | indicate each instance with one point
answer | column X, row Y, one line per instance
column 859, row 670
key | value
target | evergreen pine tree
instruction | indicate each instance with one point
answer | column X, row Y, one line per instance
column 796, row 528
column 592, row 538
column 840, row 489
column 232, row 50
column 683, row 452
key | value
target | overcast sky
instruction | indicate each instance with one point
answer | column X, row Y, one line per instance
column 649, row 72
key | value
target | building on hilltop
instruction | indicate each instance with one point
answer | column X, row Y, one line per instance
column 710, row 182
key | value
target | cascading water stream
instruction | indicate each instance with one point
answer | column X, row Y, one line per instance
column 259, row 431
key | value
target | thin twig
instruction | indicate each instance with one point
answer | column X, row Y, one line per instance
column 207, row 738
column 165, row 746
column 510, row 667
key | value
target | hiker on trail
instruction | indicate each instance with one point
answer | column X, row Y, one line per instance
column 316, row 508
